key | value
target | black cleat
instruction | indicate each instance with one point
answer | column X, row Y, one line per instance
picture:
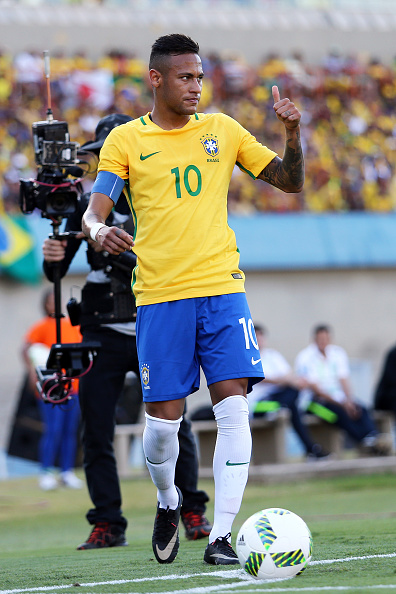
column 166, row 532
column 220, row 552
column 103, row 535
column 196, row 524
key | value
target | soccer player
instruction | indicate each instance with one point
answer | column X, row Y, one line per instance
column 107, row 315
column 175, row 166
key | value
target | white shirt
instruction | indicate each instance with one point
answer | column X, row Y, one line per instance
column 324, row 371
column 274, row 366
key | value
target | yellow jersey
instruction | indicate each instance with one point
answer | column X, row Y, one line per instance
column 176, row 185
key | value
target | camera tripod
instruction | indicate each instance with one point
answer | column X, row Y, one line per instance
column 65, row 361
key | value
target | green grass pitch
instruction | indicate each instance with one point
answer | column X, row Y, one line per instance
column 352, row 520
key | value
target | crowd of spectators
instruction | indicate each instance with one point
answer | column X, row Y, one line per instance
column 348, row 124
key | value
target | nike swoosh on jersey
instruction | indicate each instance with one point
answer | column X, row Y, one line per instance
column 255, row 361
column 163, row 554
column 229, row 463
column 144, row 157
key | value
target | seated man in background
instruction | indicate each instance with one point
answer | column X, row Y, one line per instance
column 325, row 367
column 280, row 389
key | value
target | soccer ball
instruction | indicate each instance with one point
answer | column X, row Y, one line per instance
column 274, row 543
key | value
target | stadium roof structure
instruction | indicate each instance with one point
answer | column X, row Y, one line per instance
column 250, row 27
column 379, row 15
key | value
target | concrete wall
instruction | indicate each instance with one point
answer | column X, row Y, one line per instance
column 359, row 304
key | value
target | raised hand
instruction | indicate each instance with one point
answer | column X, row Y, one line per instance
column 285, row 110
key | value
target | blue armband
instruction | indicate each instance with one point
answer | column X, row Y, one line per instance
column 109, row 184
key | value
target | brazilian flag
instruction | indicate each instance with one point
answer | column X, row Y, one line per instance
column 17, row 254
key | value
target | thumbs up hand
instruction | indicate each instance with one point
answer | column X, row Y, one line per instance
column 285, row 110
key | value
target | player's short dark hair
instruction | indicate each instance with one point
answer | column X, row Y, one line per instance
column 321, row 328
column 260, row 328
column 174, row 44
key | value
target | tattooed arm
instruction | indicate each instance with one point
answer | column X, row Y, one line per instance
column 287, row 174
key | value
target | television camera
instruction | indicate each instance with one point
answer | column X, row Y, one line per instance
column 55, row 192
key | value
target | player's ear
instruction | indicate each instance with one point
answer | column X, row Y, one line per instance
column 155, row 78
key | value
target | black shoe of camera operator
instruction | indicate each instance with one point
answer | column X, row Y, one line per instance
column 104, row 535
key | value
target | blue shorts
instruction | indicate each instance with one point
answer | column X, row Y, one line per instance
column 175, row 338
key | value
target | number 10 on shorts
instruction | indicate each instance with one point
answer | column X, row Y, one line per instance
column 249, row 333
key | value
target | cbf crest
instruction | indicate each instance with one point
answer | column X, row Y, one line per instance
column 210, row 144
column 145, row 375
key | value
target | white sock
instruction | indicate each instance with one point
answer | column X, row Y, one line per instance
column 230, row 461
column 161, row 450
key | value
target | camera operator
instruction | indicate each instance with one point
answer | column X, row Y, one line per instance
column 107, row 314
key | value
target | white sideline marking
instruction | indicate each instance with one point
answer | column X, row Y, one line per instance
column 322, row 589
column 210, row 589
column 230, row 574
column 328, row 561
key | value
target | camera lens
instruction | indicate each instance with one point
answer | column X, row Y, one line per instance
column 61, row 202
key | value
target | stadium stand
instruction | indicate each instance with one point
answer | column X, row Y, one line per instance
column 346, row 91
column 348, row 105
